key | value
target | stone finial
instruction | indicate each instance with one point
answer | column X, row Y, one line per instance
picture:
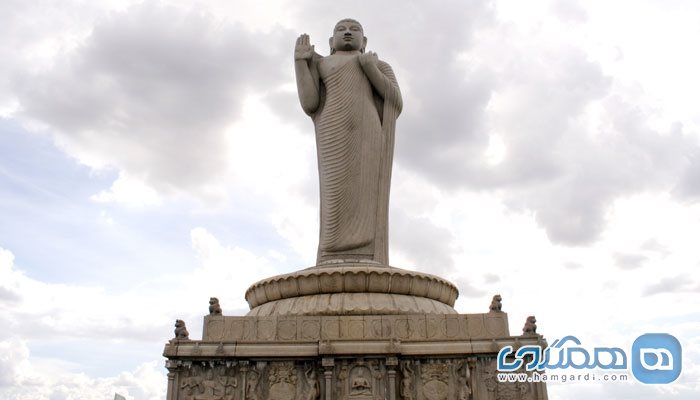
column 181, row 330
column 530, row 328
column 496, row 303
column 214, row 307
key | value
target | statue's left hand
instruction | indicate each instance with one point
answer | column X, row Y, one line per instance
column 367, row 59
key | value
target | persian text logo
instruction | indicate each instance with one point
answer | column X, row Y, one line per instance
column 656, row 358
column 559, row 356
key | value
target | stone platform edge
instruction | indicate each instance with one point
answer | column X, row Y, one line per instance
column 197, row 350
column 311, row 329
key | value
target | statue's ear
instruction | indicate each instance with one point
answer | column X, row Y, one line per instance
column 330, row 44
column 364, row 44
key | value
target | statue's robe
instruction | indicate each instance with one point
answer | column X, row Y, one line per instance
column 355, row 142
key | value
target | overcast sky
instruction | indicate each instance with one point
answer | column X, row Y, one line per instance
column 154, row 154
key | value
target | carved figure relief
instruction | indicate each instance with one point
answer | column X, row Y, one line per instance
column 375, row 369
column 342, row 378
column 360, row 382
column 217, row 383
column 313, row 389
column 406, row 390
column 504, row 390
column 464, row 391
column 283, row 381
column 191, row 380
column 210, row 387
column 435, row 381
column 251, row 387
column 229, row 380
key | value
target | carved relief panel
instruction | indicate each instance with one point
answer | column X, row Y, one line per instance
column 360, row 380
column 493, row 389
column 208, row 382
column 349, row 379
column 282, row 378
column 435, row 380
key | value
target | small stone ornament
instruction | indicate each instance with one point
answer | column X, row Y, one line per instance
column 496, row 303
column 530, row 328
column 181, row 330
column 214, row 307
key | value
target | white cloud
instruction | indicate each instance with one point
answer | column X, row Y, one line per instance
column 130, row 191
column 23, row 378
column 506, row 83
column 13, row 360
column 37, row 310
column 574, row 132
column 224, row 272
column 150, row 92
column 52, row 313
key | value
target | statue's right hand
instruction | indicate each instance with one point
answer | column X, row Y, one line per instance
column 303, row 50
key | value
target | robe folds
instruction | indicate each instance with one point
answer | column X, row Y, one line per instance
column 355, row 130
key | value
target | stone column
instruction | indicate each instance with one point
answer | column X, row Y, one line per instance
column 244, row 378
column 172, row 387
column 328, row 365
column 391, row 363
column 473, row 377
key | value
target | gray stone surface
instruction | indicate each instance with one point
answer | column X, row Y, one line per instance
column 457, row 370
column 353, row 99
column 416, row 327
column 352, row 288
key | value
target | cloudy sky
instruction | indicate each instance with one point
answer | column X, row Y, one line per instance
column 153, row 154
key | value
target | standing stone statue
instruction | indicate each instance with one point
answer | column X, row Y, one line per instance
column 353, row 99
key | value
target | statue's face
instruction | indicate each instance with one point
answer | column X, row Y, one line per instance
column 348, row 36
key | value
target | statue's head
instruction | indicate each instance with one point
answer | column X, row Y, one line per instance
column 348, row 36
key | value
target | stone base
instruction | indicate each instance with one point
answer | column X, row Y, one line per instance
column 371, row 357
column 357, row 288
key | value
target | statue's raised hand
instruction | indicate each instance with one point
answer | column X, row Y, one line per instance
column 303, row 50
column 367, row 59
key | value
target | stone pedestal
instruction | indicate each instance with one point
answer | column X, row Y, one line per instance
column 359, row 332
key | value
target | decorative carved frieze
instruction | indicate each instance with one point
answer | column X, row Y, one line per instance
column 434, row 381
column 282, row 377
column 345, row 378
column 199, row 382
column 408, row 327
column 498, row 390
